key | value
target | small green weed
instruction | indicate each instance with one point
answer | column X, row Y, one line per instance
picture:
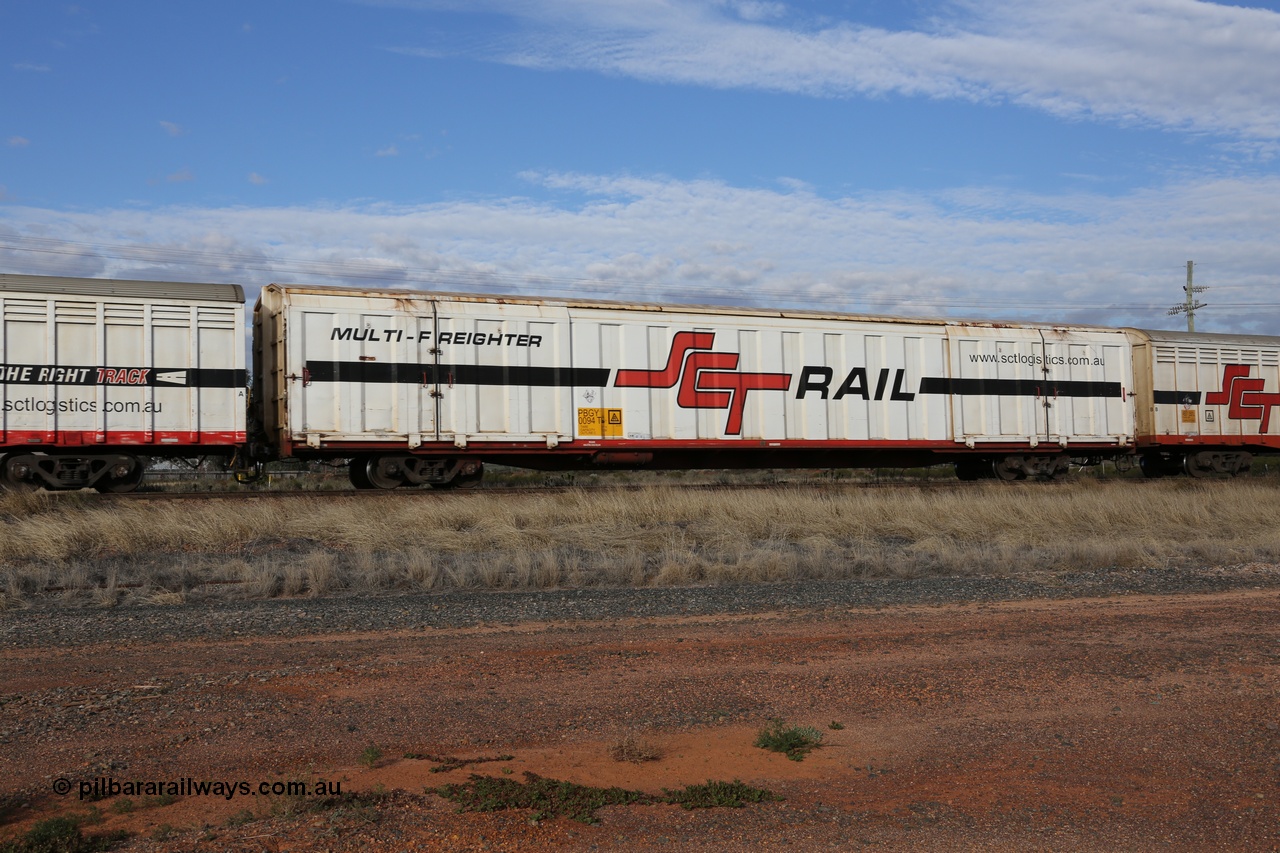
column 793, row 741
column 241, row 817
column 445, row 763
column 371, row 756
column 62, row 835
column 551, row 797
column 547, row 797
column 733, row 795
column 835, row 726
column 159, row 801
column 295, row 805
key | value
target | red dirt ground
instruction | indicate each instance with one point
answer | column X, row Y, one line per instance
column 1135, row 723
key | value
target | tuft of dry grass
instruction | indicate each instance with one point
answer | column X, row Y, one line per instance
column 77, row 550
column 635, row 749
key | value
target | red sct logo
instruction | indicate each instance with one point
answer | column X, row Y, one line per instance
column 707, row 380
column 1244, row 396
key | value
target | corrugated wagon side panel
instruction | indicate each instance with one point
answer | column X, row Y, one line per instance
column 220, row 331
column 984, row 361
column 381, row 369
column 1211, row 387
column 505, row 372
column 698, row 377
column 26, row 343
column 1088, row 375
column 353, row 369
column 679, row 378
column 859, row 383
column 85, row 366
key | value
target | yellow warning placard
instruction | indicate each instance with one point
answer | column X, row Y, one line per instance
column 600, row 423
column 1188, row 416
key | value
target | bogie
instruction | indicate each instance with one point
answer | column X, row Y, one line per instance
column 391, row 471
column 65, row 472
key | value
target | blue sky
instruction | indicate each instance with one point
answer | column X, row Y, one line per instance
column 1032, row 159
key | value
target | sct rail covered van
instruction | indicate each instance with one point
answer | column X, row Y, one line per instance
column 420, row 387
column 1205, row 401
column 96, row 374
column 414, row 387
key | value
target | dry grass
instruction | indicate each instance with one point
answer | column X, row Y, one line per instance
column 635, row 749
column 75, row 549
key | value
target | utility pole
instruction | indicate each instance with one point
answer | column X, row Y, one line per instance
column 1192, row 304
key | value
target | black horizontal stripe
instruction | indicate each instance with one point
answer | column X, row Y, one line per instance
column 209, row 377
column 1186, row 398
column 1017, row 387
column 122, row 376
column 393, row 373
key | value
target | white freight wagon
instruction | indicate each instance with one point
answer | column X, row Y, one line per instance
column 423, row 387
column 96, row 374
column 1209, row 401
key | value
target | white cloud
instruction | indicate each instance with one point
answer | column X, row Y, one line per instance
column 31, row 66
column 976, row 252
column 18, row 142
column 1167, row 63
column 256, row 179
column 390, row 151
column 173, row 129
column 180, row 177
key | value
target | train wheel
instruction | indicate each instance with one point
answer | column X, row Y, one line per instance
column 1198, row 465
column 385, row 472
column 123, row 477
column 357, row 470
column 11, row 478
column 1009, row 469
